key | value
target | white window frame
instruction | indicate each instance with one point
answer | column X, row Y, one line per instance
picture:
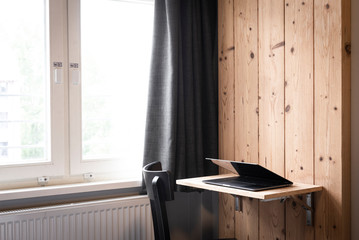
column 77, row 164
column 58, row 41
column 66, row 164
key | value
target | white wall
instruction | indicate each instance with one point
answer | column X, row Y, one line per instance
column 355, row 120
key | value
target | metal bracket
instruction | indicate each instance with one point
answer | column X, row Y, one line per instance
column 307, row 204
column 281, row 199
column 238, row 203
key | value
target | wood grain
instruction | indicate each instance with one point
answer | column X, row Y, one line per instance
column 271, row 85
column 246, row 80
column 271, row 108
column 246, row 102
column 303, row 90
column 247, row 219
column 299, row 93
column 295, row 189
column 346, row 116
column 299, row 90
column 226, row 107
column 328, row 119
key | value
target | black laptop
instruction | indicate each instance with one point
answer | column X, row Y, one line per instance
column 252, row 177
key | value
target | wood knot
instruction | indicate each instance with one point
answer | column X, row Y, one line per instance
column 321, row 159
column 327, row 6
column 292, row 50
column 287, row 108
column 252, row 55
column 348, row 48
column 278, row 45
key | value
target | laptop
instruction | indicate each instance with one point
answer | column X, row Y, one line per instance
column 252, row 177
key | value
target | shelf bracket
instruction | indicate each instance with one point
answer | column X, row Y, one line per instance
column 307, row 204
column 238, row 203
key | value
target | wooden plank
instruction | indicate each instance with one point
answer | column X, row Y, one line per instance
column 295, row 189
column 329, row 124
column 346, row 115
column 246, row 102
column 246, row 80
column 271, row 85
column 271, row 108
column 247, row 219
column 299, row 90
column 298, row 108
column 226, row 107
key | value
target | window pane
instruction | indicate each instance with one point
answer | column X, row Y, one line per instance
column 23, row 81
column 115, row 57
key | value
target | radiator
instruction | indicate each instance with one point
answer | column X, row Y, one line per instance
column 120, row 218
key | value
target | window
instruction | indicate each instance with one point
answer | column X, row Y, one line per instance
column 3, row 151
column 27, row 96
column 73, row 87
column 3, row 120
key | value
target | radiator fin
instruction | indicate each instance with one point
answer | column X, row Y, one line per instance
column 121, row 218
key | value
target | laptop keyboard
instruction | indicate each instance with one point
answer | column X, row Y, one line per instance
column 244, row 183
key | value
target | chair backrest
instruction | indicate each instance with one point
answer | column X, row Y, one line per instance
column 159, row 190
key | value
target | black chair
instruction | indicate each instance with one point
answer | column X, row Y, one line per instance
column 159, row 190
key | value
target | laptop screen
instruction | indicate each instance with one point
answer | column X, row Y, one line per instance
column 249, row 170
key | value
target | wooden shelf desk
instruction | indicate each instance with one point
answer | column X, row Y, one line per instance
column 266, row 195
column 295, row 189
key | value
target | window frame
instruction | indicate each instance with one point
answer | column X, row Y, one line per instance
column 66, row 165
column 57, row 34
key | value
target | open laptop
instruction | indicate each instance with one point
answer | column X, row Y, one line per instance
column 252, row 177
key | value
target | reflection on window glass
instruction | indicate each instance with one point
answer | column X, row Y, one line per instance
column 115, row 59
column 23, row 77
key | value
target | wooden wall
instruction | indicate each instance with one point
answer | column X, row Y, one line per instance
column 284, row 102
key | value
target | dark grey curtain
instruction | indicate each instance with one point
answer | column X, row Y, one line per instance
column 182, row 115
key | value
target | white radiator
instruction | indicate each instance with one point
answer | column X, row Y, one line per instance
column 120, row 218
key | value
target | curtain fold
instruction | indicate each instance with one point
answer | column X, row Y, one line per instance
column 182, row 113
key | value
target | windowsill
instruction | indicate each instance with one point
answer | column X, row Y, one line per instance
column 67, row 189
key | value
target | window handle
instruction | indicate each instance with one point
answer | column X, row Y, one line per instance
column 75, row 73
column 58, row 72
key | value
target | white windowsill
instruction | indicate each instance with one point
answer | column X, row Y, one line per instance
column 67, row 189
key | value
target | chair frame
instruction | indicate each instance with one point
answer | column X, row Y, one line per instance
column 159, row 190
